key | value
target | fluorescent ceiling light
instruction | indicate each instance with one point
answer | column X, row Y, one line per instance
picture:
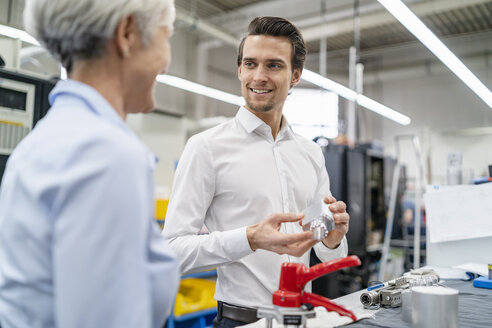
column 382, row 110
column 200, row 89
column 351, row 95
column 328, row 84
column 166, row 79
column 421, row 32
column 17, row 34
column 239, row 101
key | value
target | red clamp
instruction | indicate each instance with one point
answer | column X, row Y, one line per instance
column 294, row 277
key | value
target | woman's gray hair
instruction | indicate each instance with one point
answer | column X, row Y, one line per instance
column 73, row 30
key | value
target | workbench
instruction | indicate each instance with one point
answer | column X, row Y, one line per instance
column 474, row 310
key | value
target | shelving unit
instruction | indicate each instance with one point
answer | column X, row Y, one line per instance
column 198, row 319
column 205, row 274
column 358, row 177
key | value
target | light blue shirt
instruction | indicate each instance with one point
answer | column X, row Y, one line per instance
column 78, row 245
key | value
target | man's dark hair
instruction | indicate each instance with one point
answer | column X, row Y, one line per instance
column 276, row 26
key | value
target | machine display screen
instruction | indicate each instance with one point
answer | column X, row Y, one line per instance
column 13, row 99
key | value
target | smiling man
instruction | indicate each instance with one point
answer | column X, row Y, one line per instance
column 231, row 177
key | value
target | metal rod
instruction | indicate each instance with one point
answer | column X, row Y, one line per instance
column 322, row 56
column 389, row 221
column 418, row 198
column 9, row 12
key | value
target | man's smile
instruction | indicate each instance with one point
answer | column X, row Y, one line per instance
column 260, row 91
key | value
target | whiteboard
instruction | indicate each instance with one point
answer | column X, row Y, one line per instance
column 458, row 212
column 459, row 224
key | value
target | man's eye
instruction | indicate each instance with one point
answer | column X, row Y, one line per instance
column 275, row 66
column 248, row 64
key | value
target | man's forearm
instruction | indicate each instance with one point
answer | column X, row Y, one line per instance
column 203, row 252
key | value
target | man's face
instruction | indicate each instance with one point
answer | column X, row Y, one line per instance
column 266, row 72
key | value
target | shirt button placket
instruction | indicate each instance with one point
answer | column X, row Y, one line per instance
column 283, row 178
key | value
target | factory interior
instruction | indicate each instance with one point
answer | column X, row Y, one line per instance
column 396, row 94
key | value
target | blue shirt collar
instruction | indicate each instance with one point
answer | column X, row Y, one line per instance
column 94, row 100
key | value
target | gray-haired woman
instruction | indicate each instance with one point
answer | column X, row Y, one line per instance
column 78, row 247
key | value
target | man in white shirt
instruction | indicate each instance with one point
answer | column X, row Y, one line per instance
column 231, row 177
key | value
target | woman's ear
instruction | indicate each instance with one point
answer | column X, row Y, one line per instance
column 126, row 35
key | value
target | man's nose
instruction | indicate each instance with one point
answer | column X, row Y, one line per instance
column 260, row 74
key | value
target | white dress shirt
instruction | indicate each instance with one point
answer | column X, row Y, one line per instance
column 78, row 243
column 233, row 176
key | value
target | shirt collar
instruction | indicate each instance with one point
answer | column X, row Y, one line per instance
column 251, row 122
column 93, row 99
column 96, row 103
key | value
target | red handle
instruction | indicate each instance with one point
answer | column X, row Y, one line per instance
column 317, row 300
column 324, row 268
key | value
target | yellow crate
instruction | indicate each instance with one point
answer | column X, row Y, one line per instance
column 194, row 295
column 161, row 208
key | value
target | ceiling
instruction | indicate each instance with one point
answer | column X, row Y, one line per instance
column 210, row 8
column 444, row 17
column 464, row 25
column 333, row 20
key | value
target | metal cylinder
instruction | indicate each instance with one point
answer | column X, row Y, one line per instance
column 370, row 298
column 319, row 233
column 406, row 305
column 434, row 307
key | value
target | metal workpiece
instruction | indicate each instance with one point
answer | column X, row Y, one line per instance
column 390, row 293
column 319, row 219
column 434, row 307
column 296, row 317
column 370, row 299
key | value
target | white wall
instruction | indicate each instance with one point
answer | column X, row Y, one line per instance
column 440, row 105
column 165, row 136
column 476, row 150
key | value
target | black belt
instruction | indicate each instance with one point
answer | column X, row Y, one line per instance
column 237, row 313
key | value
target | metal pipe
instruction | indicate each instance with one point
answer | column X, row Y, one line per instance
column 207, row 28
column 322, row 56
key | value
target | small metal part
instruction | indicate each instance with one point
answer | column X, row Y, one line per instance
column 370, row 299
column 319, row 219
column 286, row 316
column 401, row 281
column 390, row 294
column 391, row 297
column 319, row 233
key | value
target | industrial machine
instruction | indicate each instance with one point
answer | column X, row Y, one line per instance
column 292, row 306
column 23, row 102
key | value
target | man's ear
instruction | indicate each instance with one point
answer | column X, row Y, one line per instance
column 296, row 77
column 239, row 72
column 126, row 35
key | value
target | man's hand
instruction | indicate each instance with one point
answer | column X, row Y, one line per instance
column 341, row 218
column 266, row 235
